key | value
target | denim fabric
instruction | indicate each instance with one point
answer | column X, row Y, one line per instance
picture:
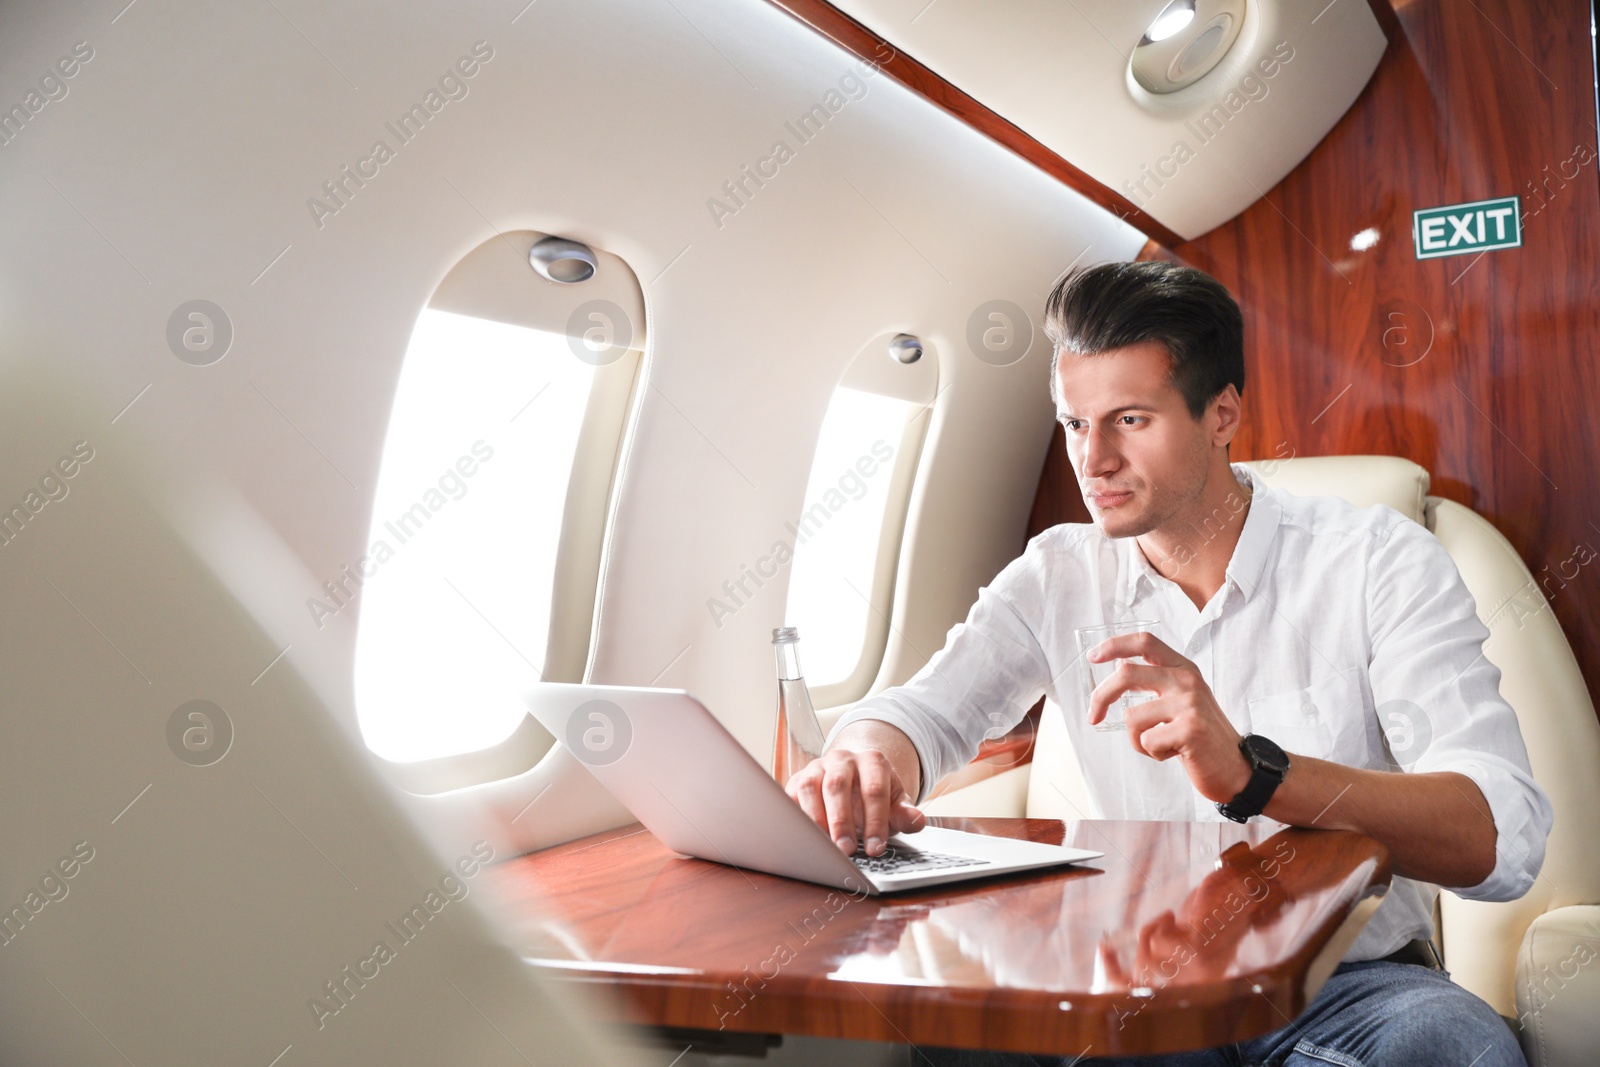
column 1368, row 1014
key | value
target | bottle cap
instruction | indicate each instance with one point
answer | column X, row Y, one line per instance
column 785, row 633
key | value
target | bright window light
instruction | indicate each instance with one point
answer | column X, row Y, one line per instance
column 840, row 529
column 1170, row 21
column 455, row 609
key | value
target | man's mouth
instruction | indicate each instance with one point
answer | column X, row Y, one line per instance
column 1109, row 499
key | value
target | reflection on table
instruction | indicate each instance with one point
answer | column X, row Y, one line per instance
column 1184, row 935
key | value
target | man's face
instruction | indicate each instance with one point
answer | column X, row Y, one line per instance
column 1139, row 456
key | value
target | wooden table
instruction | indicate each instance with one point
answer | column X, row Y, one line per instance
column 1184, row 936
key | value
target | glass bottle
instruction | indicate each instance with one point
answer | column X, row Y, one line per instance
column 798, row 739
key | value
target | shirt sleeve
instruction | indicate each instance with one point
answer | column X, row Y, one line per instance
column 991, row 670
column 1438, row 700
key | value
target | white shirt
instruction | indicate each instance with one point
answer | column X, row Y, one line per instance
column 1341, row 633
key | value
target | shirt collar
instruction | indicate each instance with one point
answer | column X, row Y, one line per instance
column 1135, row 569
column 1249, row 553
column 1260, row 529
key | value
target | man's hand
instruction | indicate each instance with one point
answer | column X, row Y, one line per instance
column 1182, row 720
column 857, row 789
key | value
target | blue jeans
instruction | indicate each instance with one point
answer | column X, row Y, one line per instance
column 1368, row 1014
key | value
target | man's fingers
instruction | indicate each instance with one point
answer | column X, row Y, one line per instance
column 1143, row 644
column 904, row 818
column 1128, row 678
column 1133, row 739
column 1131, row 676
column 1158, row 740
column 1153, row 683
column 855, row 796
column 858, row 815
column 806, row 790
column 1148, row 729
column 875, row 785
column 839, row 794
column 1142, row 720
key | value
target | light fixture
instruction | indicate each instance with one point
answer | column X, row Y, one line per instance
column 564, row 261
column 1174, row 17
column 905, row 348
column 1364, row 240
column 1185, row 43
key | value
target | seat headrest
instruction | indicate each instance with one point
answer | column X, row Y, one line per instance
column 1362, row 480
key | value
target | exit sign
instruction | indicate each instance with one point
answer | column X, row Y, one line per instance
column 1460, row 228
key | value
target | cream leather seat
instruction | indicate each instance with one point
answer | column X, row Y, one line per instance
column 1534, row 959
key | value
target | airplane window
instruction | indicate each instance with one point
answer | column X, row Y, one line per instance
column 838, row 533
column 848, row 533
column 475, row 472
column 489, row 512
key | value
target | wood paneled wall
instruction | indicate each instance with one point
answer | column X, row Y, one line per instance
column 1485, row 370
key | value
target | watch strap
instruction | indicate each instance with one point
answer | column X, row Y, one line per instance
column 1253, row 798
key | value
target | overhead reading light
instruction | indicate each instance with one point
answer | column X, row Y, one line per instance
column 1185, row 43
column 1173, row 18
column 561, row 260
column 905, row 349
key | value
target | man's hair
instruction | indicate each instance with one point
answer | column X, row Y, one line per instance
column 1097, row 309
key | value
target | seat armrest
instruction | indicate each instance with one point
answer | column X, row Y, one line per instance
column 1558, row 987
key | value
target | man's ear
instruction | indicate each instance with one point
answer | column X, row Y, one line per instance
column 1224, row 413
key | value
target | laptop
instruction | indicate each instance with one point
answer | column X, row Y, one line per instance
column 674, row 766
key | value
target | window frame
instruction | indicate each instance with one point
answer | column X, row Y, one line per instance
column 495, row 281
column 873, row 370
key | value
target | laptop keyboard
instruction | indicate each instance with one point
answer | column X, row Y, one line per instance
column 903, row 859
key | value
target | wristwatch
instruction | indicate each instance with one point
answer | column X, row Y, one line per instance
column 1268, row 765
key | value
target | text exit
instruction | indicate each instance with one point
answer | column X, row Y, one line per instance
column 1460, row 228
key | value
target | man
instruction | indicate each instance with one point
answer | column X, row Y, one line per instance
column 1288, row 622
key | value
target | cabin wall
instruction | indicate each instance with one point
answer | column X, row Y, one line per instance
column 194, row 156
column 1482, row 370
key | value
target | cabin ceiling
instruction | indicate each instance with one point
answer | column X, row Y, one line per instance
column 1191, row 159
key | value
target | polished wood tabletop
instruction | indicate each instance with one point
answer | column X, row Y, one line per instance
column 1183, row 936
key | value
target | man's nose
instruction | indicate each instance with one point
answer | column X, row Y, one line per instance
column 1100, row 457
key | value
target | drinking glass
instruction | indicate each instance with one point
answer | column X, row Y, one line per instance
column 1095, row 673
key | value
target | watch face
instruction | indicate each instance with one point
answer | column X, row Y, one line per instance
column 1264, row 751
